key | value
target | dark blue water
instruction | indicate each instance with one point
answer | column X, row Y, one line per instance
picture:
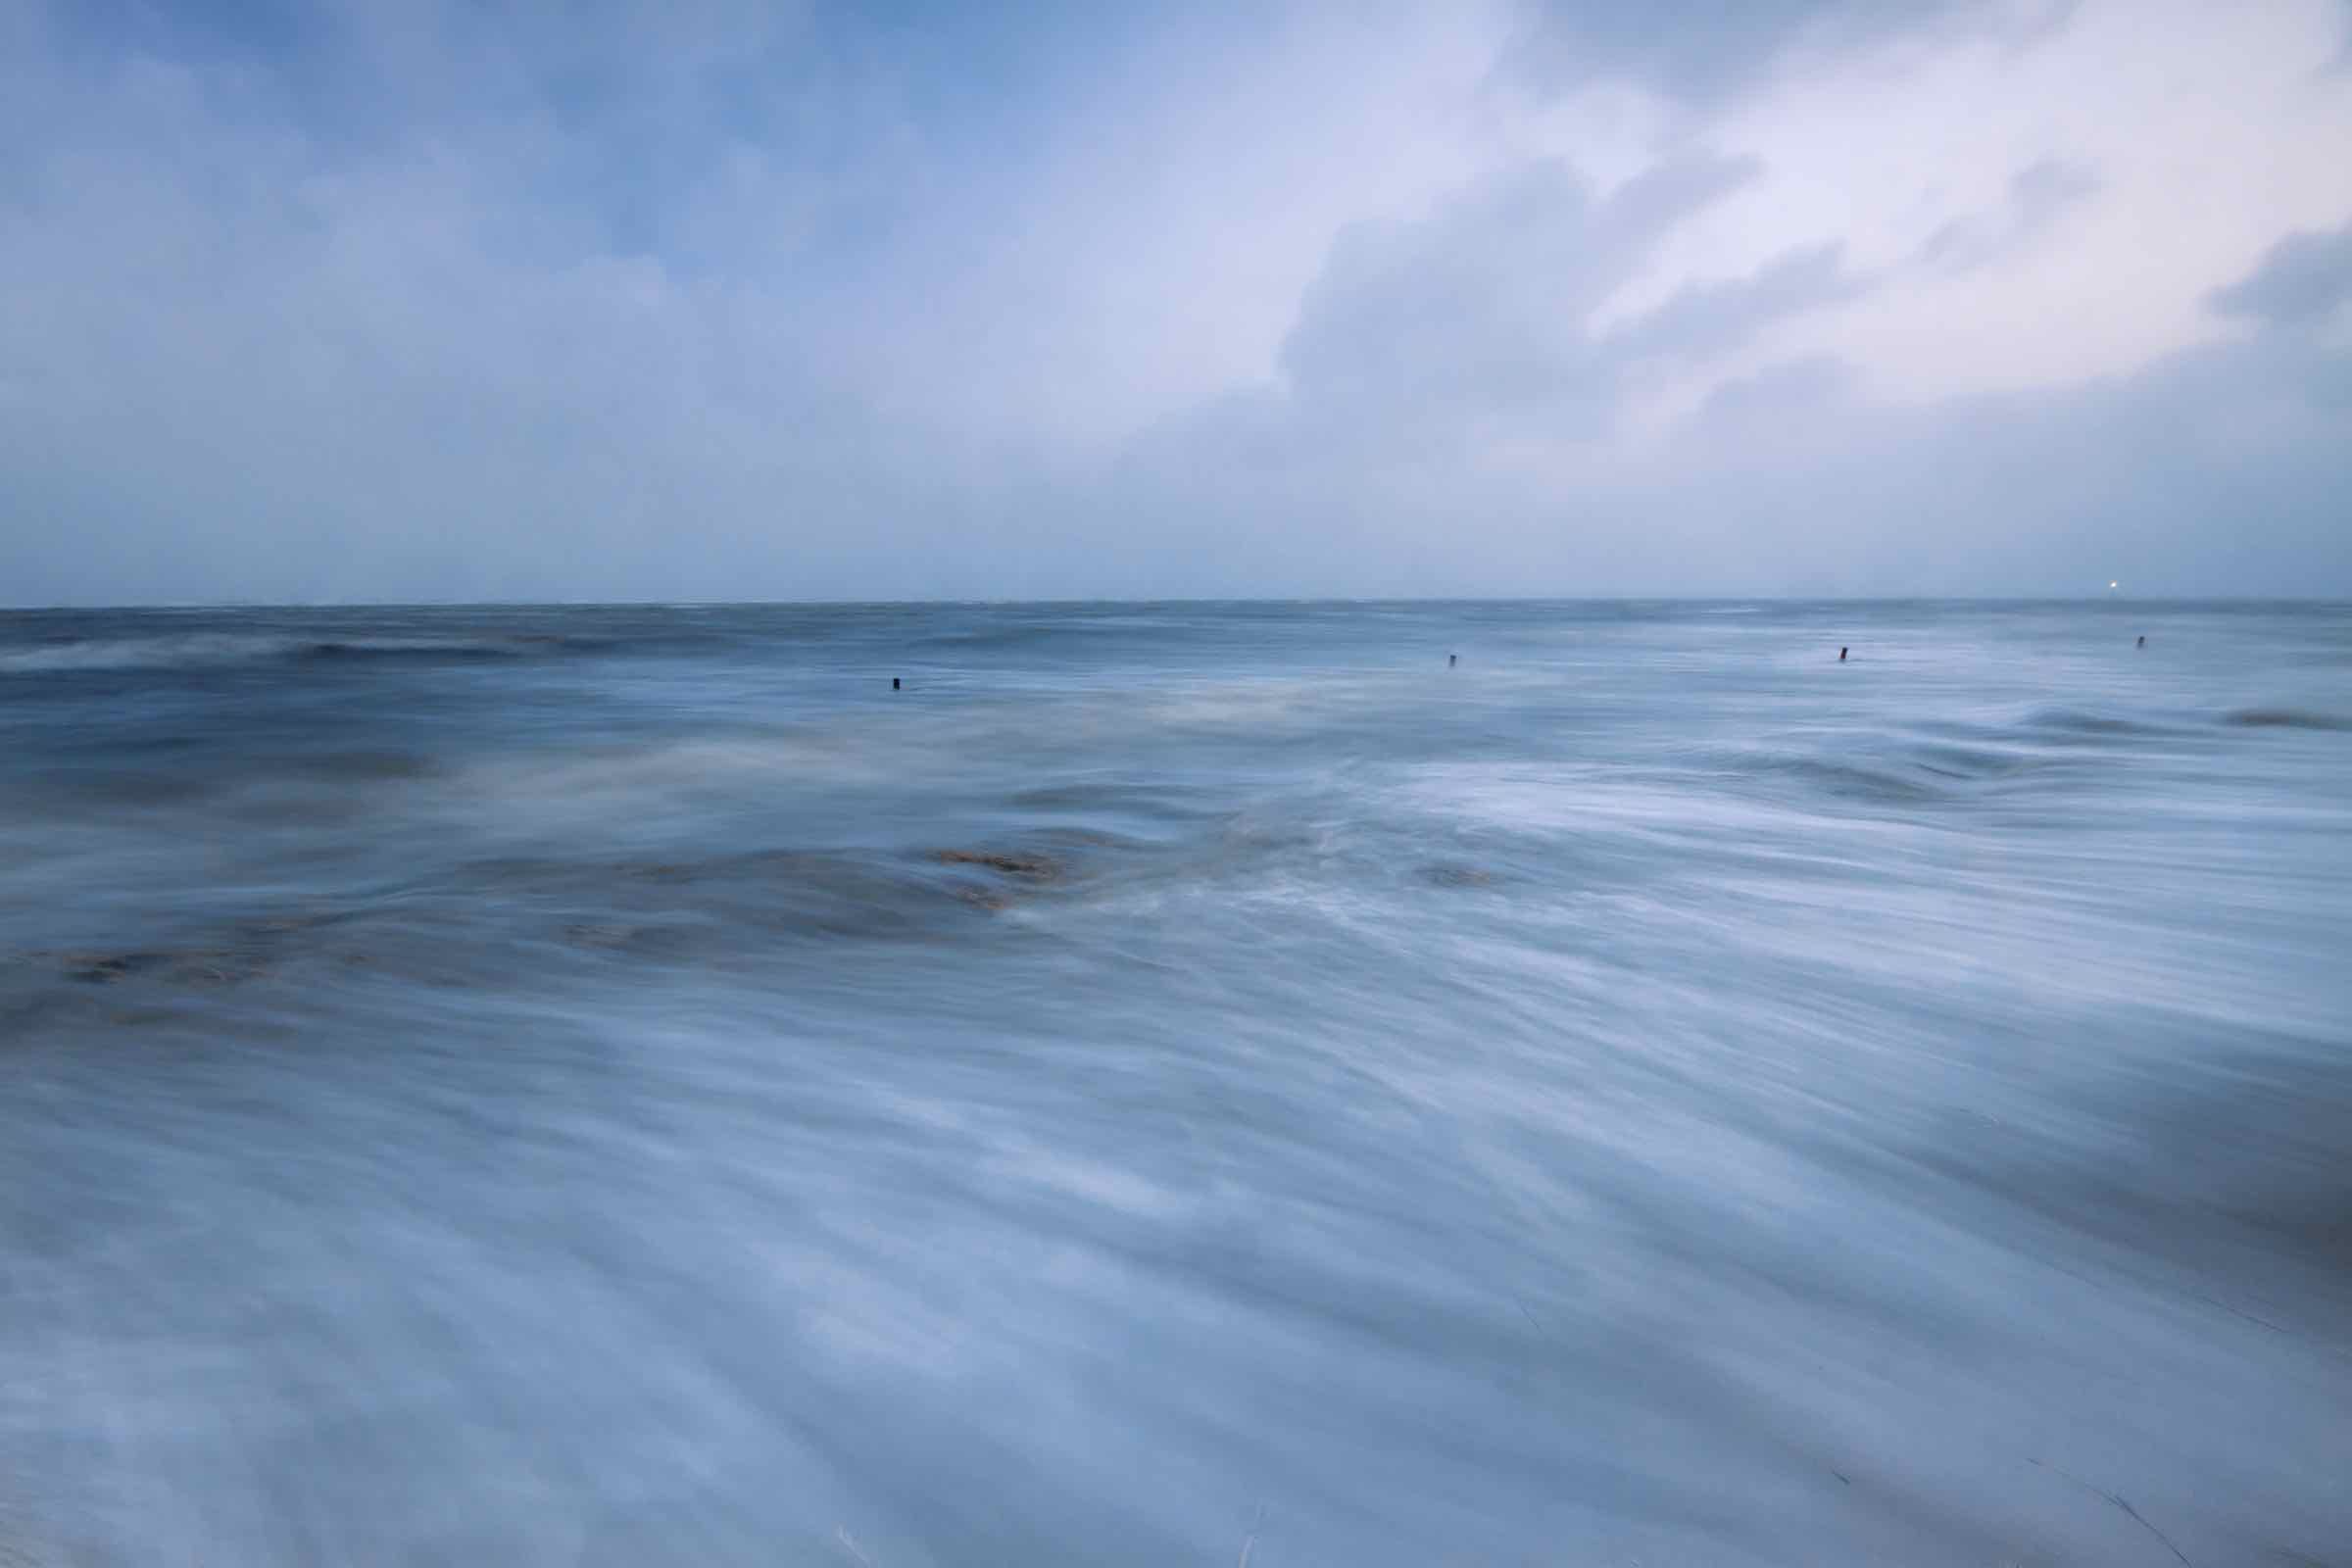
column 1177, row 1084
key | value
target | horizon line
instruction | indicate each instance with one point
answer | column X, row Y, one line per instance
column 690, row 603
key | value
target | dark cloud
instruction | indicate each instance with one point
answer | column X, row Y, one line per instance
column 2039, row 195
column 1713, row 317
column 1700, row 51
column 2302, row 278
column 2044, row 189
column 1661, row 197
column 1483, row 310
column 1702, row 48
column 1794, row 391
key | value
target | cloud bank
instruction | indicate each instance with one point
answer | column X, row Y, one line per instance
column 732, row 300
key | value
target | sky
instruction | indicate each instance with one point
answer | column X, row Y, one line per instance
column 422, row 299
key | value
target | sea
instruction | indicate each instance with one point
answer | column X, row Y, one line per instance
column 1261, row 1083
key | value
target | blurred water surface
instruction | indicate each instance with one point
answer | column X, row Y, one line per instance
column 1177, row 1082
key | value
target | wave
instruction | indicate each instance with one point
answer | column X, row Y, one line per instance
column 974, row 639
column 1895, row 772
column 228, row 650
column 2284, row 718
column 2075, row 723
column 136, row 653
column 1868, row 782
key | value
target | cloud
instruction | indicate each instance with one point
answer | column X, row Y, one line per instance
column 1697, row 48
column 2301, row 279
column 428, row 300
column 1481, row 318
column 2216, row 468
column 1482, row 308
column 1706, row 319
column 2039, row 195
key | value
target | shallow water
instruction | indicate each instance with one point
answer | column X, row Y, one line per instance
column 1177, row 1084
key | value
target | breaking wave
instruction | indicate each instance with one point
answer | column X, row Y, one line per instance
column 214, row 649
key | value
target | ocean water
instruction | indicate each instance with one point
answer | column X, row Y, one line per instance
column 1177, row 1084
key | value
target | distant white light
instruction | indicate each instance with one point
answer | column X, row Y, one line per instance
column 2114, row 585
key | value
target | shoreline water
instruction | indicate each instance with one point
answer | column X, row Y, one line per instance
column 569, row 1084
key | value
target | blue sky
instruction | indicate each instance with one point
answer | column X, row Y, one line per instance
column 445, row 299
